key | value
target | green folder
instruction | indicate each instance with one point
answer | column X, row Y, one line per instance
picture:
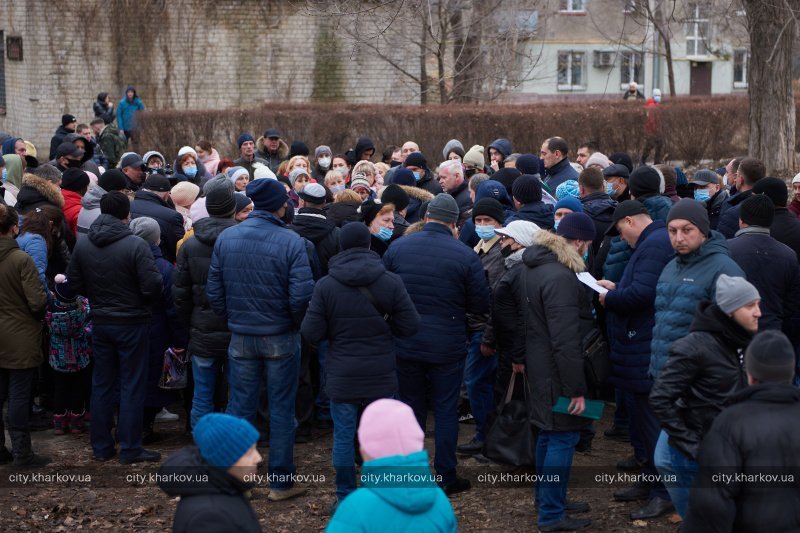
column 593, row 410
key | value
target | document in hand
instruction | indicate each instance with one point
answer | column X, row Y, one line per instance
column 588, row 280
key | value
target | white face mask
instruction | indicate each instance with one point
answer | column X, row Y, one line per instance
column 324, row 162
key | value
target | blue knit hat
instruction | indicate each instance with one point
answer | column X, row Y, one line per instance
column 223, row 439
column 267, row 195
column 243, row 138
column 568, row 202
column 568, row 188
column 403, row 176
column 578, row 227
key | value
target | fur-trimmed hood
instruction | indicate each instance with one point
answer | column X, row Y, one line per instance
column 283, row 148
column 549, row 247
column 36, row 191
column 415, row 192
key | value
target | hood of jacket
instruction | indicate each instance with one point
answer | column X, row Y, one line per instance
column 715, row 244
column 35, row 190
column 152, row 153
column 14, row 169
column 283, row 148
column 410, row 497
column 315, row 225
column 710, row 319
column 362, row 145
column 91, row 200
column 550, row 248
column 208, row 229
column 419, row 194
column 7, row 246
column 501, row 145
column 107, row 229
column 658, row 206
column 88, row 151
column 356, row 267
column 600, row 206
column 188, row 462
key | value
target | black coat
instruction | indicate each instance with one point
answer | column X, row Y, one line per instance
column 600, row 208
column 758, row 433
column 148, row 204
column 557, row 317
column 703, row 370
column 208, row 332
column 323, row 233
column 213, row 506
column 58, row 138
column 360, row 364
column 340, row 213
column 461, row 195
column 728, row 223
column 786, row 229
column 116, row 271
column 506, row 312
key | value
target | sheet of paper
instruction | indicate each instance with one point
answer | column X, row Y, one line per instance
column 588, row 279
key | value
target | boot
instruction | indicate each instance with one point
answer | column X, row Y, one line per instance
column 61, row 424
column 76, row 424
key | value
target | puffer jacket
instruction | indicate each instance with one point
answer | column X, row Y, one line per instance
column 90, row 210
column 22, row 309
column 116, row 271
column 600, row 208
column 260, row 277
column 559, row 173
column 72, row 208
column 442, row 302
column 539, row 213
column 729, row 214
column 360, row 365
column 323, row 234
column 208, row 332
column 35, row 246
column 684, row 282
column 273, row 161
column 557, row 318
column 126, row 112
column 149, row 204
column 703, row 370
column 630, row 310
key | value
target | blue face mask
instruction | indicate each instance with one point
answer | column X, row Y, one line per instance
column 417, row 175
column 586, row 256
column 702, row 195
column 485, row 232
column 384, row 234
column 337, row 188
column 190, row 171
column 609, row 189
column 555, row 226
column 5, row 173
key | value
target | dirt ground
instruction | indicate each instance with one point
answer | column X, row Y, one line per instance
column 116, row 499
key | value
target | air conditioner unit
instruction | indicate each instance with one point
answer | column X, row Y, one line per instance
column 604, row 59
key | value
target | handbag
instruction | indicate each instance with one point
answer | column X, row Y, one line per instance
column 175, row 370
column 596, row 358
column 510, row 436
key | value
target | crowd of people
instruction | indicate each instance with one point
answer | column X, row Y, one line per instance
column 360, row 290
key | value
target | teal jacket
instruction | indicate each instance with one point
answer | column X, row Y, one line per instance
column 395, row 507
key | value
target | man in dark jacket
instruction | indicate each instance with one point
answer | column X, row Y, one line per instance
column 134, row 169
column 702, row 372
column 617, row 176
column 260, row 279
column 557, row 317
column 117, row 272
column 359, row 308
column 209, row 336
column 153, row 201
column 707, row 190
column 499, row 150
column 785, row 227
column 750, row 171
column 271, row 149
column 630, row 317
column 527, row 193
column 310, row 222
column 557, row 168
column 596, row 203
column 451, row 180
column 213, row 478
column 769, row 265
column 68, row 124
column 418, row 165
column 757, row 434
column 445, row 287
column 247, row 155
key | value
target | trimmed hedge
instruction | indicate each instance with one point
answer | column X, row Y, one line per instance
column 694, row 128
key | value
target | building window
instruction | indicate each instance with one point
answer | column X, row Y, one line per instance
column 573, row 6
column 631, row 69
column 571, row 75
column 741, row 59
column 698, row 30
column 2, row 73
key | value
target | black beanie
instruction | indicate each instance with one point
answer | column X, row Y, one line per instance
column 527, row 189
column 770, row 358
column 691, row 210
column 74, row 179
column 116, row 204
column 394, row 194
column 622, row 158
column 489, row 207
column 416, row 159
column 528, row 164
column 354, row 235
column 112, row 180
column 758, row 210
column 644, row 181
column 774, row 188
column 220, row 202
column 298, row 148
column 507, row 176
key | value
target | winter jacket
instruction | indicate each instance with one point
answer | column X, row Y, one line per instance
column 126, row 112
column 211, row 500
column 447, row 285
column 702, row 372
column 729, row 214
column 416, row 197
column 756, row 434
column 149, row 204
column 773, row 269
column 22, row 308
column 630, row 310
column 341, row 213
column 557, row 318
column 559, row 173
column 600, row 208
column 684, row 282
column 212, row 163
column 70, row 328
column 116, row 271
column 112, row 144
column 56, row 139
column 35, row 246
column 494, row 268
column 794, row 207
column 272, row 160
column 208, row 332
column 461, row 195
column 90, row 210
column 72, row 208
column 714, row 207
column 428, row 182
column 360, row 364
column 103, row 110
column 323, row 233
column 36, row 192
column 248, row 165
column 260, row 277
column 786, row 229
column 507, row 304
column 380, row 506
column 496, row 190
column 539, row 213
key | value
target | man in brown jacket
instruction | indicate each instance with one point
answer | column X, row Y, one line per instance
column 21, row 313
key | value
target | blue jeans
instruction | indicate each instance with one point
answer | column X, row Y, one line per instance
column 415, row 379
column 670, row 461
column 554, row 451
column 204, row 371
column 345, row 420
column 121, row 354
column 479, row 379
column 275, row 360
column 322, row 402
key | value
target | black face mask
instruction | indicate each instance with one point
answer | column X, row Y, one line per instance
column 72, row 163
column 505, row 251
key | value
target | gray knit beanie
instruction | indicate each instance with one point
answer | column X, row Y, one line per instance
column 733, row 293
column 146, row 228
